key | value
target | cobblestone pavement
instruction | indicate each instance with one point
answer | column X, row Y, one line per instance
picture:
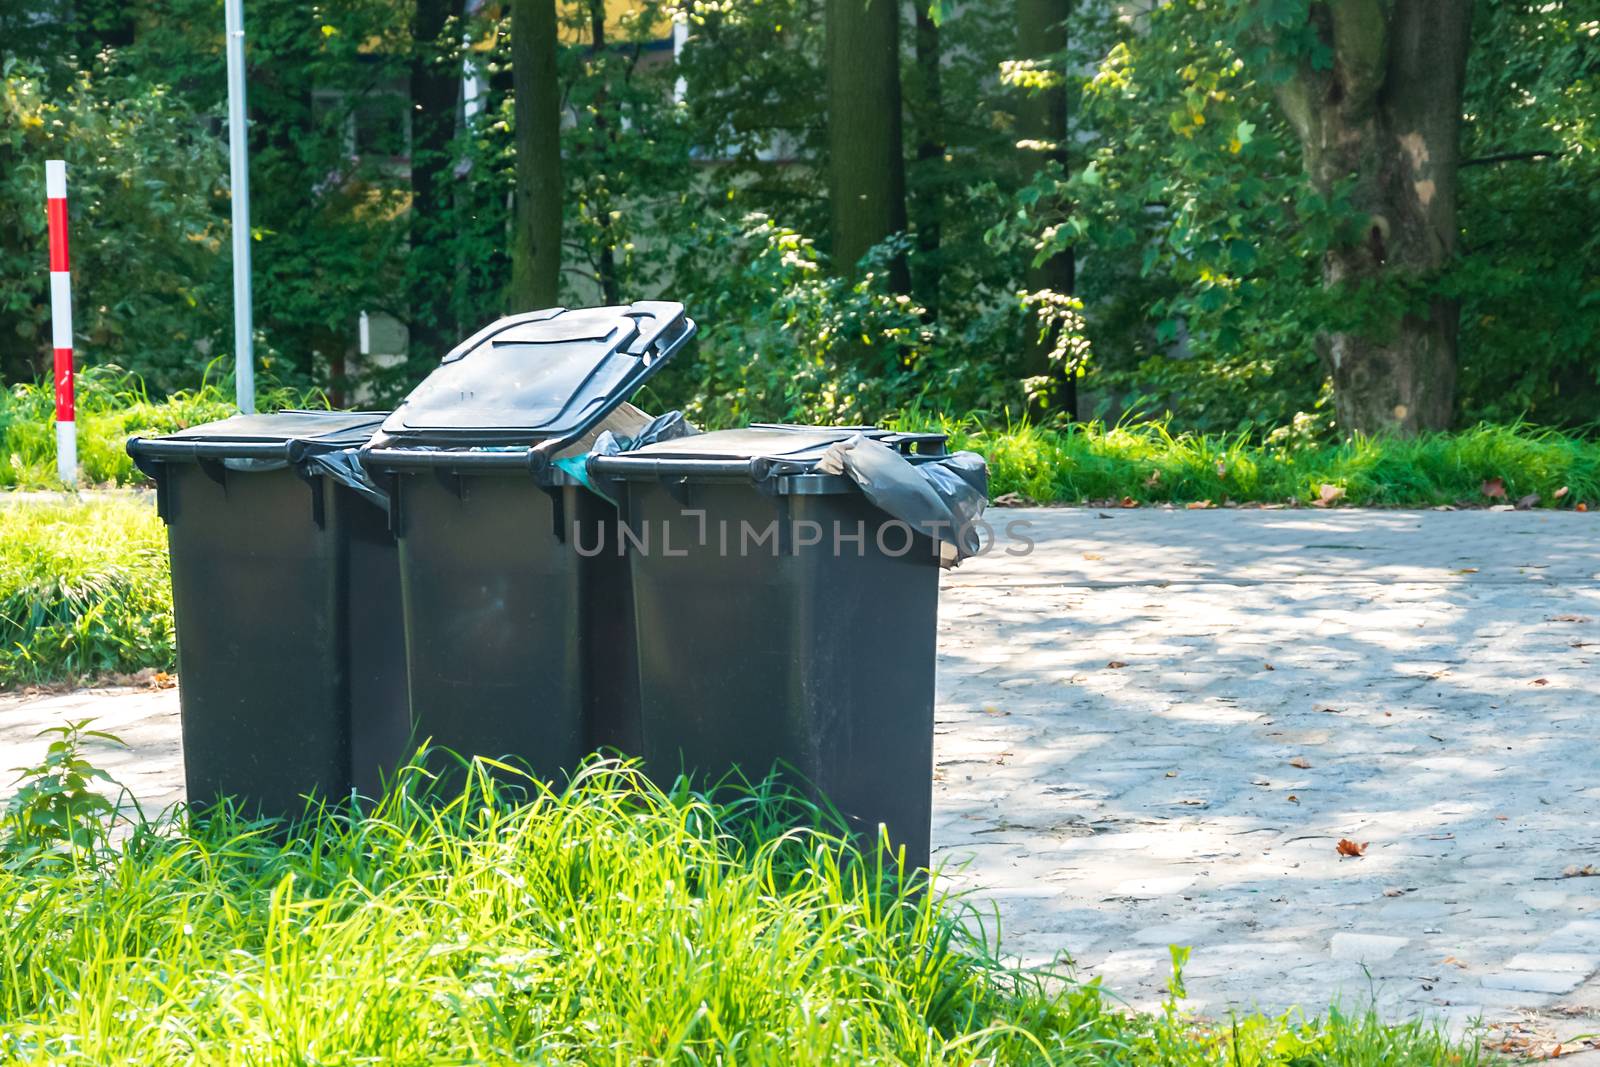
column 1156, row 728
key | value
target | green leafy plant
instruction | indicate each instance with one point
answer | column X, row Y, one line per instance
column 54, row 813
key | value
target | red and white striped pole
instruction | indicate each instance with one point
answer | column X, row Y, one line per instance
column 55, row 188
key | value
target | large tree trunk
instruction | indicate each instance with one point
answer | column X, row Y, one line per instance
column 536, row 247
column 867, row 186
column 435, row 96
column 928, row 207
column 1042, row 118
column 1385, row 117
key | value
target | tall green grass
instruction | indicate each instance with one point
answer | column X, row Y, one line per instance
column 112, row 406
column 1150, row 464
column 610, row 923
column 84, row 590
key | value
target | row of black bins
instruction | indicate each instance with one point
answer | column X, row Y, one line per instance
column 484, row 598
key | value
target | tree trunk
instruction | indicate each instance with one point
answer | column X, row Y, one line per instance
column 930, row 151
column 1384, row 119
column 1042, row 117
column 867, row 175
column 435, row 97
column 536, row 247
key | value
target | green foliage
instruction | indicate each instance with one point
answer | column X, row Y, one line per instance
column 54, row 816
column 143, row 181
column 1530, row 280
column 1197, row 236
column 1204, row 240
column 113, row 406
column 85, row 591
column 1150, row 464
column 608, row 922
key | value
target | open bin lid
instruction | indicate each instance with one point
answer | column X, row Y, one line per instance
column 286, row 436
column 545, row 376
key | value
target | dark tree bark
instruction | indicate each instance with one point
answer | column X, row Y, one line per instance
column 1386, row 117
column 536, row 245
column 867, row 175
column 1042, row 117
column 928, row 207
column 435, row 100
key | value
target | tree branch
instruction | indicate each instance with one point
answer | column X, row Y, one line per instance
column 1512, row 157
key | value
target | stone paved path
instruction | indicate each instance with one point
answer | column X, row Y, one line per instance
column 1156, row 727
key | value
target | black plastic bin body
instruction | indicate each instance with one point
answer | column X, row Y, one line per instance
column 285, row 587
column 520, row 645
column 757, row 650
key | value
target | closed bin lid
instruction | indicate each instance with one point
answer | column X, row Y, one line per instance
column 547, row 375
column 285, row 435
column 755, row 452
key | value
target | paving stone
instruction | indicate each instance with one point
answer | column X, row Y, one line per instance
column 1365, row 948
column 1533, row 981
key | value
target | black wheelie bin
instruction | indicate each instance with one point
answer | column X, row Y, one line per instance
column 786, row 584
column 286, row 596
column 519, row 634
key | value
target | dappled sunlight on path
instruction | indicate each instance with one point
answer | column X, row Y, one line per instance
column 1156, row 728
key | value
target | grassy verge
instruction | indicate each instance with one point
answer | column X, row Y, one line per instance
column 84, row 590
column 1148, row 464
column 1141, row 462
column 112, row 406
column 612, row 923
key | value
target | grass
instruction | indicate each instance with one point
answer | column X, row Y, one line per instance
column 610, row 923
column 1142, row 462
column 1149, row 464
column 84, row 590
column 112, row 406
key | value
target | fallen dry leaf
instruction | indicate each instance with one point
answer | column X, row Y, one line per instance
column 1494, row 488
column 1128, row 502
column 1116, row 665
column 1293, row 799
column 1093, row 555
column 1347, row 847
column 1172, row 774
column 1467, row 570
column 1528, row 502
column 1011, row 500
column 1301, row 762
column 1328, row 494
column 1394, row 891
column 1582, row 506
column 1154, row 479
column 1268, row 667
column 1197, row 505
column 1540, row 681
column 1586, row 871
column 1568, row 618
column 1559, row 493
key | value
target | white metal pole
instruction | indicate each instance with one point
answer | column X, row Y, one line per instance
column 239, row 166
column 55, row 192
